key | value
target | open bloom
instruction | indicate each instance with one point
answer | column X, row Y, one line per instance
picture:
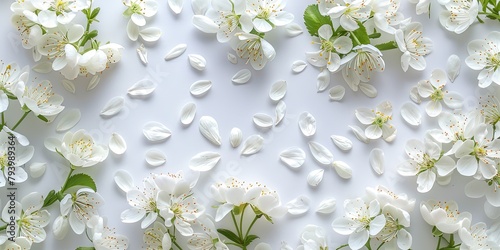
column 157, row 237
column 489, row 106
column 434, row 89
column 230, row 17
column 386, row 15
column 476, row 237
column 58, row 45
column 350, row 13
column 144, row 203
column 489, row 188
column 444, row 215
column 313, row 237
column 80, row 149
column 413, row 45
column 105, row 238
column 12, row 83
column 454, row 127
column 266, row 14
column 254, row 49
column 209, row 239
column 80, row 207
column 360, row 63
column 138, row 10
column 330, row 48
column 41, row 100
column 459, row 15
column 394, row 235
column 21, row 243
column 60, row 11
column 484, row 55
column 11, row 164
column 378, row 121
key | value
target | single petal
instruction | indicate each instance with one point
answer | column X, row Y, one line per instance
column 138, row 19
column 433, row 108
column 323, row 80
column 197, row 61
column 342, row 169
column 176, row 51
column 175, row 5
column 298, row 66
column 453, row 67
column 425, row 181
column 68, row 120
column 143, row 87
column 200, row 7
column 204, row 161
column 453, row 100
column 327, row 206
column 155, row 131
column 315, row 177
column 124, row 180
column 278, row 90
column 415, row 96
column 373, row 132
column 298, row 205
column 360, row 134
column 94, row 81
column 200, row 87
column 365, row 116
column 321, row 153
column 232, row 58
column 235, row 137
column 476, row 189
column 242, row 76
column 263, row 120
column 467, row 165
column 132, row 30
column 117, row 144
column 336, row 93
column 150, row 34
column 307, row 124
column 376, row 159
column 358, row 239
column 188, row 113
column 155, row 157
column 252, row 145
column 280, row 112
column 209, row 128
column 341, row 142
column 294, row 157
column 43, row 67
column 113, row 106
column 293, row 29
column 411, row 114
column 142, row 52
column 37, row 169
column 368, row 89
column 68, row 86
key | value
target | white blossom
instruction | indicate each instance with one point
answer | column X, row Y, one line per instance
column 378, row 121
column 444, row 215
column 80, row 207
column 459, row 15
column 360, row 63
column 80, row 149
column 413, row 45
column 484, row 55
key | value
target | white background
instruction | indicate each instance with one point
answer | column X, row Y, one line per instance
column 233, row 106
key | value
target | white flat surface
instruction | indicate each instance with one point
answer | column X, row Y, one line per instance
column 233, row 106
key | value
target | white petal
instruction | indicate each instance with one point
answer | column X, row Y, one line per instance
column 294, row 157
column 293, row 29
column 205, row 24
column 197, row 61
column 307, row 124
column 175, row 5
column 263, row 120
column 155, row 157
column 37, row 169
column 176, row 51
column 200, row 7
column 376, row 159
column 415, row 96
column 453, row 67
column 142, row 52
column 68, row 120
column 210, row 130
column 68, row 86
column 51, row 144
column 298, row 205
column 232, row 58
column 278, row 90
column 132, row 30
column 201, row 87
column 143, row 87
column 321, row 153
column 336, row 93
column 155, row 131
column 298, row 66
column 263, row 246
column 235, row 137
column 113, row 106
column 342, row 169
column 327, row 206
column 43, row 67
column 323, row 80
column 411, row 114
column 124, row 180
column 117, row 144
column 242, row 76
column 150, row 34
column 252, row 145
column 368, row 89
column 280, row 112
column 188, row 113
column 315, row 177
column 204, row 161
column 342, row 142
column 93, row 82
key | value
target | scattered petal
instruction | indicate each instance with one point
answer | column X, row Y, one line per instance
column 293, row 29
column 368, row 89
column 124, row 180
column 342, row 169
column 376, row 159
column 210, row 130
column 204, row 161
column 69, row 86
column 68, row 120
column 315, row 177
column 294, row 157
column 43, row 67
column 242, row 76
column 176, row 51
column 307, row 124
column 263, row 246
column 175, row 5
column 336, row 93
column 93, row 82
column 298, row 205
column 298, row 66
column 114, row 106
column 205, row 24
column 200, row 7
column 321, row 153
column 278, row 90
column 323, row 80
column 143, row 87
column 155, row 157
column 232, row 58
column 150, row 34
column 51, row 144
column 143, row 54
column 188, row 113
column 263, row 120
column 201, row 87
column 117, row 144
column 37, row 169
column 132, row 30
column 415, row 96
column 453, row 67
column 360, row 134
column 411, row 114
column 197, row 61
column 280, row 112
column 155, row 131
column 327, row 206
column 252, row 145
column 342, row 142
column 235, row 137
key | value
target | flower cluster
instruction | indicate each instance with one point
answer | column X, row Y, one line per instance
column 138, row 11
column 244, row 24
column 48, row 28
column 380, row 216
column 351, row 36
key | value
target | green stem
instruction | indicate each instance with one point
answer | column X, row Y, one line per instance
column 490, row 14
column 367, row 245
column 452, row 240
column 380, row 245
column 3, row 119
column 63, row 188
column 439, row 242
column 250, row 227
column 242, row 215
column 345, row 245
column 3, row 227
column 21, row 120
column 355, row 38
column 236, row 225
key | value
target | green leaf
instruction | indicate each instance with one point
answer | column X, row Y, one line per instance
column 360, row 35
column 230, row 235
column 375, row 35
column 436, row 232
column 85, row 248
column 314, row 20
column 43, row 118
column 80, row 180
column 95, row 12
column 50, row 199
column 248, row 240
column 387, row 46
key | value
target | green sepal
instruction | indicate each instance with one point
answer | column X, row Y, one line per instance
column 387, row 46
column 249, row 239
column 95, row 12
column 436, row 232
column 314, row 20
column 50, row 199
column 43, row 118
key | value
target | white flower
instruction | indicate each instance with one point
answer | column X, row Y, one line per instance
column 113, row 52
column 326, row 5
column 58, row 43
column 484, row 55
column 422, row 7
column 62, row 10
column 92, row 62
column 434, row 89
column 21, row 243
column 144, row 203
column 386, row 15
column 360, row 221
column 29, row 216
column 209, row 239
column 80, row 149
column 41, row 100
column 254, row 49
column 459, row 15
column 138, row 10
column 489, row 188
column 378, row 121
column 313, row 237
column 454, row 127
column 385, row 196
column 233, row 193
column 330, row 47
column 29, row 31
column 157, row 237
column 105, row 238
column 358, row 64
column 266, row 14
column 394, row 235
column 494, row 235
column 475, row 237
column 351, row 12
column 228, row 16
column 425, row 162
column 443, row 215
column 12, row 83
column 80, row 207
column 13, row 164
column 413, row 45
column 489, row 105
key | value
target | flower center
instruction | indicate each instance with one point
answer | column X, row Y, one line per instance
column 60, row 5
column 426, row 164
column 479, row 151
column 381, row 119
column 495, row 60
column 136, row 8
column 437, row 95
column 265, row 13
column 327, row 45
column 3, row 161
